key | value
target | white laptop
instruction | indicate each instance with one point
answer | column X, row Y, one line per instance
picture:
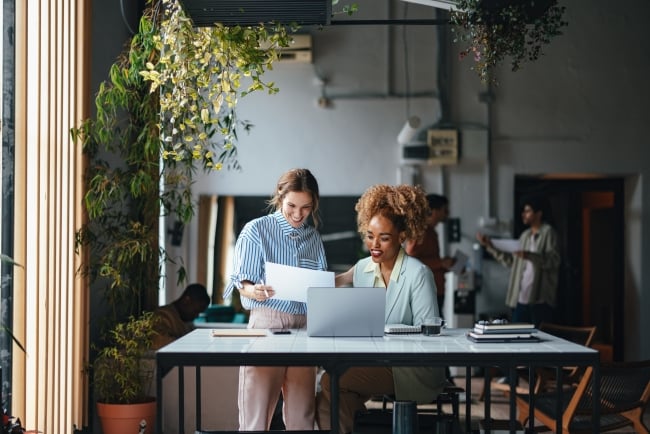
column 345, row 311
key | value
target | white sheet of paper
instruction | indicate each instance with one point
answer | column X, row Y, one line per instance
column 461, row 262
column 291, row 283
column 506, row 244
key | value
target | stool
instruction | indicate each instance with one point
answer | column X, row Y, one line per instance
column 435, row 421
column 405, row 417
column 449, row 395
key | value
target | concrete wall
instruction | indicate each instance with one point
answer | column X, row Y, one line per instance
column 579, row 109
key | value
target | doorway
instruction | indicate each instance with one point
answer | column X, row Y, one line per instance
column 588, row 214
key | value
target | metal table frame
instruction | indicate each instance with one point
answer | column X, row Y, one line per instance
column 336, row 355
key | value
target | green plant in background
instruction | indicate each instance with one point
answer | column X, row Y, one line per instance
column 201, row 73
column 121, row 372
column 169, row 108
column 495, row 29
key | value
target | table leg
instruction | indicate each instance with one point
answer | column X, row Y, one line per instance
column 334, row 402
column 199, row 423
column 468, row 398
column 181, row 399
column 531, row 398
column 487, row 394
column 159, row 400
column 512, row 377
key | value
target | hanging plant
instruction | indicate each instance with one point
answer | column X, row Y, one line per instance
column 168, row 109
column 201, row 73
column 495, row 29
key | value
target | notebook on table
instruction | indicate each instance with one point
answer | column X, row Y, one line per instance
column 402, row 329
column 352, row 312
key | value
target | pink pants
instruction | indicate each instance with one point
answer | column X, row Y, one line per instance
column 260, row 387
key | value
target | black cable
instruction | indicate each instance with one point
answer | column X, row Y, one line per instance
column 407, row 80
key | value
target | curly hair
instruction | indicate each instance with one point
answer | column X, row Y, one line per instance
column 405, row 206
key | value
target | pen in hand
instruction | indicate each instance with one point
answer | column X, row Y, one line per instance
column 265, row 291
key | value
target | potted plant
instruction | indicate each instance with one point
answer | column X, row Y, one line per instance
column 168, row 109
column 123, row 374
column 495, row 29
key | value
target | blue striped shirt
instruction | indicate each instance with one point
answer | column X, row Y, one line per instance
column 272, row 239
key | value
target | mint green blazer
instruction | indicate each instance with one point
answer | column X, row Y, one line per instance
column 409, row 301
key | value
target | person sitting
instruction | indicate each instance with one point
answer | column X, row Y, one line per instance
column 386, row 217
column 175, row 319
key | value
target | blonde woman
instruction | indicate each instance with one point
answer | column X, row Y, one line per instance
column 282, row 237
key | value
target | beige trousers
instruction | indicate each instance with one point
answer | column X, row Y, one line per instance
column 356, row 386
column 260, row 387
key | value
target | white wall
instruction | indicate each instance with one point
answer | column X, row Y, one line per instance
column 580, row 108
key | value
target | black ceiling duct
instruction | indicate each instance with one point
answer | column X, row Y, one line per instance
column 204, row 13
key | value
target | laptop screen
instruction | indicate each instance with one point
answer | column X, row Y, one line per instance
column 345, row 311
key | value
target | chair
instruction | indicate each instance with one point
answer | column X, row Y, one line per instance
column 624, row 395
column 545, row 378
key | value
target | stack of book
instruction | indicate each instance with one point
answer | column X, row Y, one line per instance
column 502, row 332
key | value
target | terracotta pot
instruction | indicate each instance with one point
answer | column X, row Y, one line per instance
column 127, row 418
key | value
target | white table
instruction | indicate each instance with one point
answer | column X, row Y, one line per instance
column 452, row 348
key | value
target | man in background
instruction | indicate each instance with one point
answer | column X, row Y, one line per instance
column 532, row 289
column 175, row 320
column 428, row 249
column 172, row 321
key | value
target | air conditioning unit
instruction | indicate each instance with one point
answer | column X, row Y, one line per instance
column 299, row 51
column 204, row 13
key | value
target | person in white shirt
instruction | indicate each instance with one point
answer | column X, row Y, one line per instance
column 532, row 289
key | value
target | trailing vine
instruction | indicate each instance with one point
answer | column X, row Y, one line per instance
column 168, row 109
column 495, row 29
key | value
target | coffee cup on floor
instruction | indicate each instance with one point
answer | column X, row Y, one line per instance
column 432, row 326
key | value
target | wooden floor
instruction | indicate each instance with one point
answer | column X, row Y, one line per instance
column 499, row 409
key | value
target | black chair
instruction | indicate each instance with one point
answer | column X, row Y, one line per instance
column 624, row 395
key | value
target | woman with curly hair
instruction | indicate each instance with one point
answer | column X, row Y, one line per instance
column 386, row 217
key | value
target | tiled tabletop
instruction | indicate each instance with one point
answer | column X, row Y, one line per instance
column 451, row 348
column 452, row 341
